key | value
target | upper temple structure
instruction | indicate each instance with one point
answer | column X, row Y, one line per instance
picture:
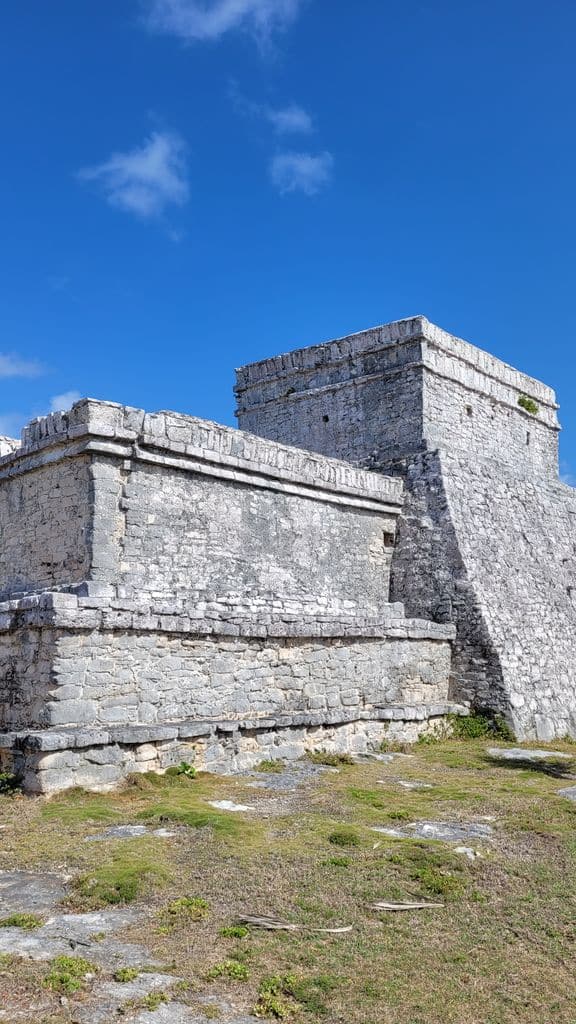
column 384, row 544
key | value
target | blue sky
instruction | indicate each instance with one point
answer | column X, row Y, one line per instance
column 192, row 185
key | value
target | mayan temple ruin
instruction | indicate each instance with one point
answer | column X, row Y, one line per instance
column 385, row 543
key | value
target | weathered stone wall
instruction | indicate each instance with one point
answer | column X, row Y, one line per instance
column 44, row 525
column 166, row 579
column 398, row 389
column 224, row 538
column 102, row 761
column 97, row 678
column 486, row 537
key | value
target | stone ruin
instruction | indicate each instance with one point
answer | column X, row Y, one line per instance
column 384, row 544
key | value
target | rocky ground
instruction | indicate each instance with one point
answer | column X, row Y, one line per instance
column 429, row 885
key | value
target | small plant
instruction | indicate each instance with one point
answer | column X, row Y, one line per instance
column 192, row 907
column 481, row 724
column 185, row 769
column 68, row 974
column 271, row 1001
column 274, row 767
column 329, row 759
column 229, row 969
column 126, row 974
column 529, row 405
column 26, row 921
column 9, row 783
column 344, row 837
column 337, row 862
column 234, row 931
column 153, row 1000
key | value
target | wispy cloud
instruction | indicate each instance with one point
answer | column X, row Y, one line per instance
column 192, row 20
column 290, row 120
column 15, row 366
column 301, row 172
column 60, row 403
column 287, row 120
column 146, row 180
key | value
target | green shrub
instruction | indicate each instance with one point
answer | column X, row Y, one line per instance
column 481, row 724
column 153, row 1000
column 344, row 837
column 67, row 974
column 126, row 974
column 188, row 770
column 529, row 405
column 234, row 931
column 229, row 969
column 9, row 783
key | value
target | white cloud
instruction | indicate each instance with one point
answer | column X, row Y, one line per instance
column 210, row 19
column 289, row 120
column 144, row 181
column 301, row 172
column 60, row 403
column 14, row 366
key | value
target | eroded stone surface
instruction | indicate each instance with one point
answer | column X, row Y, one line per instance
column 569, row 793
column 30, row 892
column 519, row 754
column 446, row 831
column 130, row 832
column 109, row 997
column 88, row 935
column 230, row 805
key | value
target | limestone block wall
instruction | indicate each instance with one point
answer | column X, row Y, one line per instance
column 165, row 579
column 486, row 538
column 45, row 515
column 167, row 508
column 402, row 388
column 63, row 677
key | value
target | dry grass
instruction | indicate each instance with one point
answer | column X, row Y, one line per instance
column 500, row 952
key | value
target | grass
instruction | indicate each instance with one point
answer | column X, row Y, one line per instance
column 331, row 760
column 120, row 879
column 271, row 766
column 26, row 921
column 500, row 951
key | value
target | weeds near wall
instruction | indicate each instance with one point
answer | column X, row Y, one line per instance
column 478, row 725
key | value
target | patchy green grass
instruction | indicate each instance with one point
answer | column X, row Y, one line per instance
column 26, row 921
column 271, row 766
column 499, row 951
column 120, row 879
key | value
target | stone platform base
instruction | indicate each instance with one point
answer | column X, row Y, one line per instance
column 51, row 760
